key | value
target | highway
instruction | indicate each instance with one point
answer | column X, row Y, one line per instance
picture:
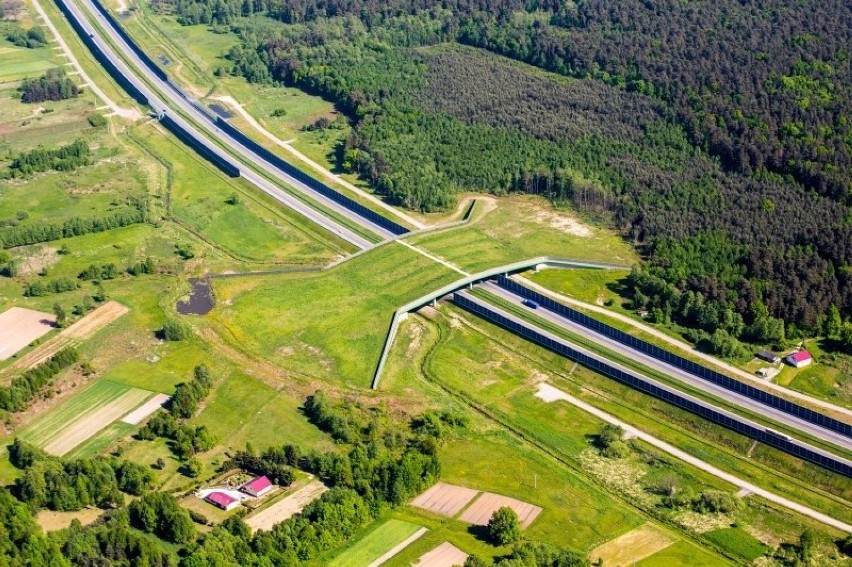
column 168, row 99
column 729, row 415
column 687, row 378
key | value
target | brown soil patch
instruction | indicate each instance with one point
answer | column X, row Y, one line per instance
column 51, row 521
column 484, row 507
column 286, row 507
column 563, row 223
column 82, row 329
column 90, row 424
column 445, row 499
column 139, row 414
column 35, row 259
column 445, row 555
column 635, row 545
column 19, row 327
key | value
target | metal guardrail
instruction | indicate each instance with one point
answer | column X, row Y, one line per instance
column 400, row 314
column 650, row 387
column 662, row 354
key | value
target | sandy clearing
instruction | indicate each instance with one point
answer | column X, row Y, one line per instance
column 286, row 507
column 51, row 521
column 82, row 329
column 484, row 507
column 398, row 547
column 445, row 555
column 635, row 545
column 19, row 327
column 563, row 223
column 146, row 409
column 91, row 423
column 445, row 499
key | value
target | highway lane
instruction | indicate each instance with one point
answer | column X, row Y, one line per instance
column 693, row 399
column 734, row 398
column 160, row 105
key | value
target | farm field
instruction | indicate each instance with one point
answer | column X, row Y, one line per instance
column 19, row 327
column 83, row 416
column 285, row 508
column 481, row 510
column 633, row 546
column 377, row 544
column 445, row 555
column 445, row 499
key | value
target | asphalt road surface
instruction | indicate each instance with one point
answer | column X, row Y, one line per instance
column 724, row 394
column 174, row 100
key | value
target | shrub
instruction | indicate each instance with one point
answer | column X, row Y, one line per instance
column 174, row 330
column 97, row 120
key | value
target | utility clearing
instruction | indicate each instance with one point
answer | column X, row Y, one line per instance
column 19, row 327
column 286, row 507
column 81, row 330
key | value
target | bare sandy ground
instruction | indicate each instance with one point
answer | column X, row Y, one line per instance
column 91, row 423
column 286, row 507
column 445, row 555
column 484, row 507
column 19, row 327
column 635, row 545
column 82, row 329
column 445, row 499
column 136, row 416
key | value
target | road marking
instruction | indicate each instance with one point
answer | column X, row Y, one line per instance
column 549, row 394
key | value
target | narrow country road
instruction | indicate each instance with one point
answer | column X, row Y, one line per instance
column 550, row 394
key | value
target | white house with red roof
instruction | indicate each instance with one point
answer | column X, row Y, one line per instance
column 258, row 486
column 799, row 359
column 222, row 500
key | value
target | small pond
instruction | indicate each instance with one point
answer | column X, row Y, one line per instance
column 200, row 301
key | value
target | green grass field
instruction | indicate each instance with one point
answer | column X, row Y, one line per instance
column 523, row 227
column 99, row 394
column 256, row 229
column 329, row 324
column 375, row 544
column 21, row 62
column 683, row 553
column 738, row 542
column 102, row 441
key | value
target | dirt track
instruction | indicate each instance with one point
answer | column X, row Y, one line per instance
column 19, row 327
column 82, row 329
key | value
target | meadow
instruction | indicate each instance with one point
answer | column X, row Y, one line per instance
column 375, row 544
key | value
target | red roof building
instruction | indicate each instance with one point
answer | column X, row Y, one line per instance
column 257, row 487
column 799, row 359
column 222, row 500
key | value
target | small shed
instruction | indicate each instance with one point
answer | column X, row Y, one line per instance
column 799, row 359
column 769, row 356
column 222, row 500
column 257, row 487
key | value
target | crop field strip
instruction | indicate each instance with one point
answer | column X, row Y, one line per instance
column 82, row 329
column 19, row 327
column 445, row 499
column 445, row 555
column 635, row 545
column 84, row 416
column 374, row 548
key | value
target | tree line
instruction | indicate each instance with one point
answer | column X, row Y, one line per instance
column 32, row 38
column 65, row 158
column 29, row 385
column 42, row 231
